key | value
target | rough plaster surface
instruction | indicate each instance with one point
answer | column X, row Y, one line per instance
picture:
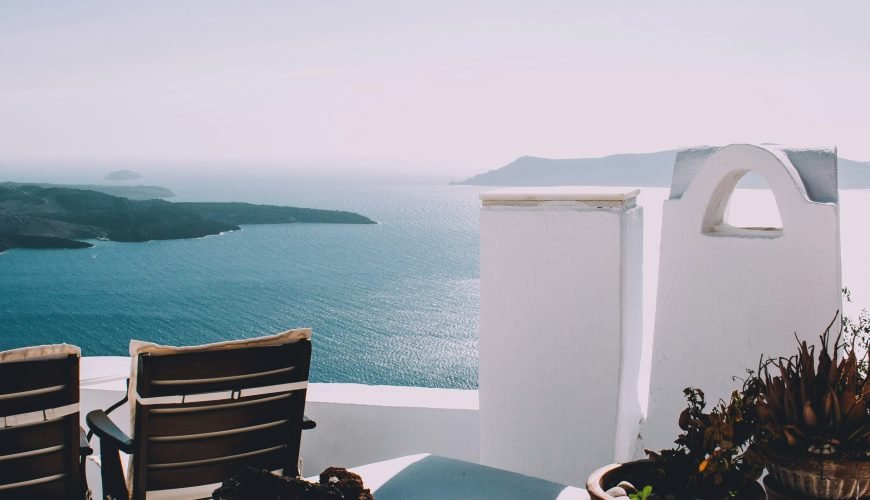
column 552, row 332
column 728, row 295
column 627, row 444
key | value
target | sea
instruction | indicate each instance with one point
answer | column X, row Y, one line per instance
column 392, row 303
column 395, row 303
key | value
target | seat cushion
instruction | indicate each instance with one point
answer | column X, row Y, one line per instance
column 39, row 352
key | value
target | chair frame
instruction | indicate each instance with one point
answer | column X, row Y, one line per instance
column 56, row 445
column 160, row 421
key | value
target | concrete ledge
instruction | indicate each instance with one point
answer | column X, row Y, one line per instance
column 389, row 395
column 109, row 373
column 533, row 195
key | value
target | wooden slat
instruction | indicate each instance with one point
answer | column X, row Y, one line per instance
column 187, row 450
column 222, row 386
column 222, row 364
column 19, row 439
column 161, row 479
column 32, row 467
column 20, row 376
column 54, row 490
column 221, row 419
column 38, row 402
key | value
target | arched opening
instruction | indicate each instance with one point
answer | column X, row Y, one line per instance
column 743, row 204
column 753, row 205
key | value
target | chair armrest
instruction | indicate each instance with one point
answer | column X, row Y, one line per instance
column 84, row 446
column 307, row 423
column 102, row 426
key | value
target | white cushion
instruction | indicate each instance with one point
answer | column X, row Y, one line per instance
column 39, row 352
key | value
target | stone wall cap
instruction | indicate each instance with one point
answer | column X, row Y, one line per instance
column 561, row 193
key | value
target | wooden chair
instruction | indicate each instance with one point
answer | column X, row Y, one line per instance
column 201, row 414
column 42, row 446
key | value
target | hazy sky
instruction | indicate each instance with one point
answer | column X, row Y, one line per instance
column 458, row 87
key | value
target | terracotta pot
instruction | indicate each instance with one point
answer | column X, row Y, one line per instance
column 639, row 473
column 828, row 478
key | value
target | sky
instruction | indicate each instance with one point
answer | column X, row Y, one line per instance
column 451, row 88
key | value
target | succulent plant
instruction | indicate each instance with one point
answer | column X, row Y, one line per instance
column 716, row 455
column 856, row 335
column 817, row 404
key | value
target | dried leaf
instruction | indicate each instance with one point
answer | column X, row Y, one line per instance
column 809, row 415
column 790, row 439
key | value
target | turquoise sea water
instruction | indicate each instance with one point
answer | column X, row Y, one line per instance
column 393, row 303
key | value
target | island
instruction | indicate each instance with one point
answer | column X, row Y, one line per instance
column 34, row 216
column 123, row 175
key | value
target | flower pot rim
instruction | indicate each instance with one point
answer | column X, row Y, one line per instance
column 782, row 457
column 819, row 476
column 593, row 483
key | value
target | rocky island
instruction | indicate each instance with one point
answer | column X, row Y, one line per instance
column 33, row 216
column 123, row 175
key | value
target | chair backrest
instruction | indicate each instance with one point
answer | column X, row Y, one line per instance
column 39, row 428
column 200, row 417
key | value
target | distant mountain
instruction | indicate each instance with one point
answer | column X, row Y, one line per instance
column 643, row 169
column 32, row 216
column 853, row 174
column 129, row 192
column 123, row 175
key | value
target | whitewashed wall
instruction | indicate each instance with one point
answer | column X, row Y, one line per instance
column 560, row 319
column 361, row 424
column 728, row 295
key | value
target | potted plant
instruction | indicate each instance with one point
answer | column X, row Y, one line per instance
column 336, row 483
column 715, row 458
column 814, row 418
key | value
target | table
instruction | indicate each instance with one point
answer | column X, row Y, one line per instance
column 430, row 477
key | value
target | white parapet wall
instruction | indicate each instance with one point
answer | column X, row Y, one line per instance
column 560, row 329
column 360, row 424
column 728, row 295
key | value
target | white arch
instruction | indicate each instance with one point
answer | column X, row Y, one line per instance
column 727, row 296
